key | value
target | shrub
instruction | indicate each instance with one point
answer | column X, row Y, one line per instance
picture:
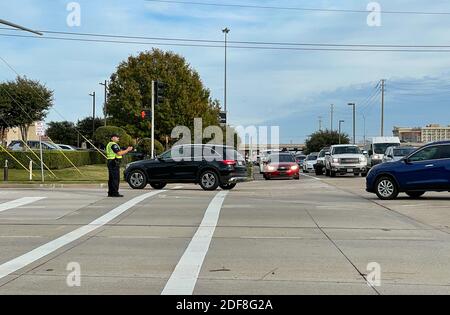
column 53, row 159
column 102, row 136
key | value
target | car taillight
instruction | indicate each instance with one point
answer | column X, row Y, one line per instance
column 229, row 162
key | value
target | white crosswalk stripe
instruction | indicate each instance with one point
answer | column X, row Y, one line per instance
column 18, row 203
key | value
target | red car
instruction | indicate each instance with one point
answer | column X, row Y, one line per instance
column 281, row 165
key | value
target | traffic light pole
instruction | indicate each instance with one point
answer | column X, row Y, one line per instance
column 153, row 119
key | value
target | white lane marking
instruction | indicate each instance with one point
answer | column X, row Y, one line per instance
column 184, row 277
column 19, row 203
column 316, row 178
column 46, row 249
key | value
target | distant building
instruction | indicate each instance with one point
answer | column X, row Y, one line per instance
column 15, row 134
column 430, row 133
column 435, row 132
column 408, row 134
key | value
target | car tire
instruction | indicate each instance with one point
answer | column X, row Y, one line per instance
column 137, row 179
column 356, row 174
column 415, row 194
column 209, row 180
column 386, row 188
column 227, row 186
column 158, row 186
column 363, row 174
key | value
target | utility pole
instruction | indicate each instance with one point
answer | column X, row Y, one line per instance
column 153, row 119
column 354, row 121
column 332, row 114
column 340, row 129
column 364, row 119
column 225, row 31
column 93, row 113
column 382, row 106
column 320, row 123
column 106, row 96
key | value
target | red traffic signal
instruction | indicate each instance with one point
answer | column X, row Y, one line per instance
column 146, row 114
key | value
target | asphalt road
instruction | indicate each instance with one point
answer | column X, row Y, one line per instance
column 310, row 236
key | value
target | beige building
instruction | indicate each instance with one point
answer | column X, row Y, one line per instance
column 407, row 134
column 435, row 132
column 15, row 134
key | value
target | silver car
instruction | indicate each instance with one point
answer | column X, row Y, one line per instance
column 394, row 154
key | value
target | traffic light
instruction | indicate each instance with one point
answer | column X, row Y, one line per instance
column 160, row 92
column 146, row 114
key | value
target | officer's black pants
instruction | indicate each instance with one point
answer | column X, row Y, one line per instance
column 114, row 177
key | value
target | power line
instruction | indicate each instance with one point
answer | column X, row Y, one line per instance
column 232, row 46
column 248, row 6
column 175, row 39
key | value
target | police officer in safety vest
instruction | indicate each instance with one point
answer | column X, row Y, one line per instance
column 114, row 155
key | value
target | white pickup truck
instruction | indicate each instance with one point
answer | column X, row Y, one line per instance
column 345, row 159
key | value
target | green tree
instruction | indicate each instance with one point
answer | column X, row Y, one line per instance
column 186, row 97
column 84, row 126
column 62, row 132
column 24, row 102
column 103, row 134
column 320, row 139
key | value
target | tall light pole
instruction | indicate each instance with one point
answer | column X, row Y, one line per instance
column 106, row 98
column 364, row 119
column 354, row 121
column 340, row 129
column 93, row 113
column 225, row 31
column 332, row 117
column 382, row 106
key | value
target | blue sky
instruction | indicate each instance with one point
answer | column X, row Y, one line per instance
column 286, row 88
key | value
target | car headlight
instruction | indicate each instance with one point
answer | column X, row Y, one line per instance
column 377, row 157
column 335, row 160
column 294, row 167
column 271, row 168
column 362, row 159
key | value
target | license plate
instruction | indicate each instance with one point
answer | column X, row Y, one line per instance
column 350, row 170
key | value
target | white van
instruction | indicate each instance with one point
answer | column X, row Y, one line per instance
column 377, row 148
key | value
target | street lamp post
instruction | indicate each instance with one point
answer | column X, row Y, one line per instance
column 106, row 98
column 225, row 31
column 340, row 128
column 93, row 113
column 354, row 121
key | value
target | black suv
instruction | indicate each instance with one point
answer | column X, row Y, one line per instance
column 210, row 166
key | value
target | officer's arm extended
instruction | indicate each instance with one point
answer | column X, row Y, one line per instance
column 120, row 152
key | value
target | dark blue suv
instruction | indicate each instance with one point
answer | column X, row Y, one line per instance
column 426, row 169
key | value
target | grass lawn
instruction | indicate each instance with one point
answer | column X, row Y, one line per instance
column 91, row 173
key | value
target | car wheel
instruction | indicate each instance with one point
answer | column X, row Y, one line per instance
column 137, row 179
column 356, row 174
column 415, row 194
column 158, row 186
column 363, row 174
column 386, row 188
column 227, row 186
column 209, row 180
